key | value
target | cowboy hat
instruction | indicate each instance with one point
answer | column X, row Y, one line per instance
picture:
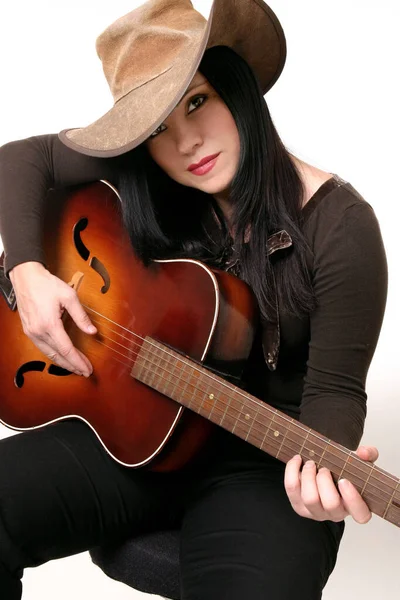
column 150, row 56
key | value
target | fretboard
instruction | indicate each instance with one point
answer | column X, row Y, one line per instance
column 271, row 430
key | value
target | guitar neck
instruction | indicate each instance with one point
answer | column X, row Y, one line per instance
column 271, row 430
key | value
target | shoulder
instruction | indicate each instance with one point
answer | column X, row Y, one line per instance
column 335, row 201
column 341, row 229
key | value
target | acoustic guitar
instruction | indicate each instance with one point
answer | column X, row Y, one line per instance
column 166, row 333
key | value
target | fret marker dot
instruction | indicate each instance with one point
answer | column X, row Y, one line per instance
column 276, row 433
column 311, row 453
column 247, row 417
column 211, row 396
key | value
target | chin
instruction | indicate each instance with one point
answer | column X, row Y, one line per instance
column 215, row 187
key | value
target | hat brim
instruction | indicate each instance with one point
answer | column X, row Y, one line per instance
column 254, row 32
column 132, row 119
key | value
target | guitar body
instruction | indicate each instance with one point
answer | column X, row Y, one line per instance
column 205, row 314
column 170, row 339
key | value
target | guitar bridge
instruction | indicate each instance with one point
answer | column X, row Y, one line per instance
column 6, row 287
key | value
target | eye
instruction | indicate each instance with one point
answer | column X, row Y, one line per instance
column 193, row 100
column 156, row 131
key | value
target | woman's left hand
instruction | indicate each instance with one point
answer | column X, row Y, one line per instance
column 315, row 496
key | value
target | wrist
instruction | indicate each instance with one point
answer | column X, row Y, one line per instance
column 25, row 268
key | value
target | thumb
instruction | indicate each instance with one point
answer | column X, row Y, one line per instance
column 369, row 453
column 79, row 316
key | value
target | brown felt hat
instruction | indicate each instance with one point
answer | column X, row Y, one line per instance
column 150, row 56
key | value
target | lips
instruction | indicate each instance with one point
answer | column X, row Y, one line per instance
column 203, row 161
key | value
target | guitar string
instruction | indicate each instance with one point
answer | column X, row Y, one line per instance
column 256, row 401
column 386, row 499
column 222, row 402
column 387, row 496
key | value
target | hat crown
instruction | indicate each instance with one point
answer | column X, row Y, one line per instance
column 151, row 55
column 146, row 42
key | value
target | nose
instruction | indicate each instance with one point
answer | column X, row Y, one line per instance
column 188, row 138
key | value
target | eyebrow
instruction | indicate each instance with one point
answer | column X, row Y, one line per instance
column 192, row 87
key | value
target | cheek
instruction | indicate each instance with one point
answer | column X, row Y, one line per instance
column 223, row 127
column 165, row 156
column 163, row 152
column 156, row 152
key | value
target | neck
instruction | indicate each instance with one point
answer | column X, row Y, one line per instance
column 263, row 426
column 226, row 208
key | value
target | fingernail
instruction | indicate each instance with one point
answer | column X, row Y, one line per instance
column 91, row 328
column 309, row 463
column 343, row 482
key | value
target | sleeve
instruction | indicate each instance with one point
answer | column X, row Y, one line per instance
column 28, row 169
column 350, row 282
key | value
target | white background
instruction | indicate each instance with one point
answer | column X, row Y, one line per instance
column 336, row 106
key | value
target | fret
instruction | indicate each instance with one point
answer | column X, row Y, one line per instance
column 138, row 363
column 236, row 411
column 386, row 480
column 176, row 373
column 322, row 456
column 154, row 361
column 250, row 426
column 303, row 444
column 227, row 407
column 367, row 480
column 391, row 500
column 194, row 390
column 145, row 367
column 344, row 466
column 193, row 387
column 283, row 440
column 268, row 428
column 237, row 418
column 164, row 372
column 312, row 448
column 186, row 381
column 168, row 373
column 210, row 399
column 200, row 406
column 218, row 397
column 221, row 406
column 211, row 396
column 280, row 425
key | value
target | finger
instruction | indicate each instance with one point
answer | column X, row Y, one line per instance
column 78, row 314
column 330, row 498
column 63, row 346
column 292, row 483
column 369, row 453
column 353, row 502
column 55, row 357
column 310, row 492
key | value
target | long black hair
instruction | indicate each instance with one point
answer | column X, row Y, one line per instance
column 166, row 219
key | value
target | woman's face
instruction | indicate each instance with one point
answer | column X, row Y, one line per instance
column 201, row 125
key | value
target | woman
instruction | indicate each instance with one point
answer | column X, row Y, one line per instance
column 304, row 239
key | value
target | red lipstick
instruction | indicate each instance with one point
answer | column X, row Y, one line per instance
column 203, row 161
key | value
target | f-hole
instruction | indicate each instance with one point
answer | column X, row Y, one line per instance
column 84, row 253
column 38, row 366
column 79, row 245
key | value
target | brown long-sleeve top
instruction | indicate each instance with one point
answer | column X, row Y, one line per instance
column 323, row 359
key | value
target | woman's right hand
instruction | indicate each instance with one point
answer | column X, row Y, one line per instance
column 41, row 300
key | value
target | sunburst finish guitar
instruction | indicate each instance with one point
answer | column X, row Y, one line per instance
column 164, row 332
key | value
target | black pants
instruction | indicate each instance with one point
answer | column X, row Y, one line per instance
column 60, row 494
